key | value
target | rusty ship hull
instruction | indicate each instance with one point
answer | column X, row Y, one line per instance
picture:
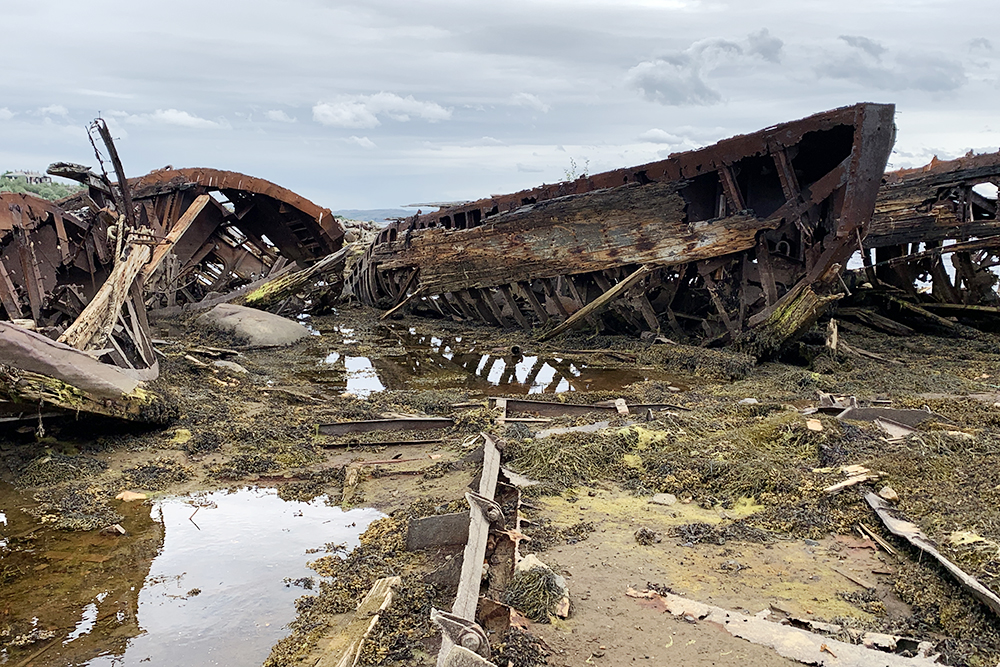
column 749, row 234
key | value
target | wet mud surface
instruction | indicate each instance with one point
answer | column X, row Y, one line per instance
column 750, row 526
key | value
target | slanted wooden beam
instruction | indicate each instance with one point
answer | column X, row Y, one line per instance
column 96, row 321
column 599, row 303
column 175, row 234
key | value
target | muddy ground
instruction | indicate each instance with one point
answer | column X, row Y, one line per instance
column 751, row 529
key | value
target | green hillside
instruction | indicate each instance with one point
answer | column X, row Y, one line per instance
column 51, row 191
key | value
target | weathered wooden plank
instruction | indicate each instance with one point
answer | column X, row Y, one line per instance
column 515, row 311
column 99, row 316
column 644, row 224
column 369, row 425
column 912, row 534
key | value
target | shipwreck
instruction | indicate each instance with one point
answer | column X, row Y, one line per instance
column 79, row 276
column 935, row 238
column 741, row 242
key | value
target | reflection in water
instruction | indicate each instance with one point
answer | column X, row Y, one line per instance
column 200, row 581
column 432, row 362
column 360, row 376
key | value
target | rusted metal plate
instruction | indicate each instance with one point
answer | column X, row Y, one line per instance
column 369, row 425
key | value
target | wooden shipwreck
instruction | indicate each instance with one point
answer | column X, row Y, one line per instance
column 936, row 237
column 85, row 270
column 743, row 241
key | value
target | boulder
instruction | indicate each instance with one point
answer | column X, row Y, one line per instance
column 259, row 328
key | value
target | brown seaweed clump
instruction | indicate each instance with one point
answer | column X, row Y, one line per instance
column 534, row 593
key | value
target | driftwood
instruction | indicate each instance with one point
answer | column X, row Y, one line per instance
column 345, row 649
column 788, row 641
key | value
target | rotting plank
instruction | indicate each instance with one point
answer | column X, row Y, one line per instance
column 552, row 409
column 470, row 581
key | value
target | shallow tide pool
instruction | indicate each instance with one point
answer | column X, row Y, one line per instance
column 216, row 591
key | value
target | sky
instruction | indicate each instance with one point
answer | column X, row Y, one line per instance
column 383, row 103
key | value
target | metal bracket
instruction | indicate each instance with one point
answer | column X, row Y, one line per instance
column 462, row 632
column 490, row 509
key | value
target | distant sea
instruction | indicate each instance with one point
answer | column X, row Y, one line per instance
column 380, row 215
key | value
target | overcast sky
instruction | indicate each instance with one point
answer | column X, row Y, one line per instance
column 386, row 102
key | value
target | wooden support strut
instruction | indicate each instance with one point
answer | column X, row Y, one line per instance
column 529, row 296
column 470, row 580
column 175, row 234
column 515, row 311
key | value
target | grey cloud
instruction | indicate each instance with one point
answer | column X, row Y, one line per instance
column 54, row 110
column 933, row 73
column 174, row 117
column 765, row 45
column 363, row 142
column 278, row 116
column 678, row 79
column 981, row 44
column 529, row 100
column 869, row 46
column 362, row 111
column 674, row 82
column 658, row 136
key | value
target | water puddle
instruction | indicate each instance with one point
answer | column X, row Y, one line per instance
column 198, row 580
column 413, row 361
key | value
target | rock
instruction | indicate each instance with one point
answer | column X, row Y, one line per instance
column 260, row 328
column 888, row 493
column 814, row 425
column 230, row 366
column 748, row 401
column 667, row 499
column 810, row 543
column 129, row 496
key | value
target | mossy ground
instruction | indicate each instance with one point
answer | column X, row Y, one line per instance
column 234, row 429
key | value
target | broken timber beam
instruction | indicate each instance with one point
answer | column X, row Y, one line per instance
column 601, row 302
column 459, row 628
column 912, row 534
column 345, row 649
column 273, row 292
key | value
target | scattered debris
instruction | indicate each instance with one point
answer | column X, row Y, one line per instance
column 345, row 648
column 645, row 536
column 788, row 641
